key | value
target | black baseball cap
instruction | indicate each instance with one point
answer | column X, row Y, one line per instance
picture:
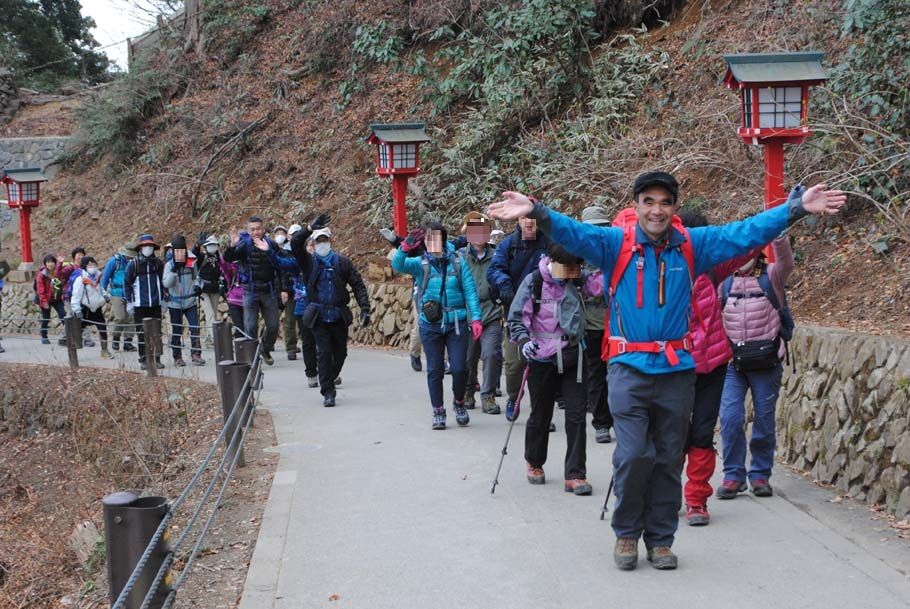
column 656, row 178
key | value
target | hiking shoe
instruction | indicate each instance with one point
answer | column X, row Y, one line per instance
column 697, row 515
column 578, row 486
column 469, row 402
column 179, row 363
column 115, row 345
column 762, row 488
column 490, row 406
column 312, row 381
column 159, row 365
column 197, row 360
column 128, row 347
column 45, row 341
column 337, row 381
column 662, row 557
column 416, row 364
column 329, row 400
column 267, row 358
column 602, row 436
column 510, row 410
column 730, row 489
column 461, row 414
column 105, row 354
column 552, row 427
column 439, row 418
column 292, row 356
column 536, row 475
column 497, row 393
column 625, row 553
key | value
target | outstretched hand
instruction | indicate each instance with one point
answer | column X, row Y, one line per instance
column 513, row 206
column 820, row 200
column 320, row 221
column 235, row 236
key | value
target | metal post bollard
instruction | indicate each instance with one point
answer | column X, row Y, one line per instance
column 73, row 328
column 246, row 349
column 233, row 375
column 129, row 525
column 222, row 341
column 151, row 332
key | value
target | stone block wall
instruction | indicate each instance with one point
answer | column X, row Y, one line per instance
column 9, row 101
column 18, row 152
column 845, row 415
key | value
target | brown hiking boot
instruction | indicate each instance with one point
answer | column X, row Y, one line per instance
column 625, row 553
column 662, row 558
column 536, row 475
column 579, row 486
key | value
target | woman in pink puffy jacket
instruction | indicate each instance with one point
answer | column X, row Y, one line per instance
column 712, row 352
column 753, row 324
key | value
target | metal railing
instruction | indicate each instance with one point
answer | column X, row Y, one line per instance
column 239, row 382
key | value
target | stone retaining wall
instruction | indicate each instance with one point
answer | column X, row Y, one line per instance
column 19, row 152
column 845, row 415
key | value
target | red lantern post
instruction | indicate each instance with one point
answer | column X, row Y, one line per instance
column 398, row 158
column 774, row 89
column 23, row 188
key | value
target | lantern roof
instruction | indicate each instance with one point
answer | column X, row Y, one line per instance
column 28, row 174
column 398, row 133
column 757, row 68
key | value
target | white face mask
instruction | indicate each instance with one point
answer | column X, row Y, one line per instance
column 211, row 249
column 280, row 239
column 147, row 250
column 323, row 249
column 91, row 270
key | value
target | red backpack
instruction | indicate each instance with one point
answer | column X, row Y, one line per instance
column 627, row 220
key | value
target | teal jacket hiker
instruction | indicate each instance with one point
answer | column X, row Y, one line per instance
column 458, row 297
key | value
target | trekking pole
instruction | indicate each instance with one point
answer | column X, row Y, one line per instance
column 505, row 448
column 609, row 490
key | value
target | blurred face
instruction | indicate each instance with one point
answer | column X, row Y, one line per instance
column 180, row 255
column 433, row 240
column 478, row 233
column 77, row 259
column 565, row 271
column 655, row 208
column 255, row 229
column 50, row 265
column 528, row 229
column 280, row 237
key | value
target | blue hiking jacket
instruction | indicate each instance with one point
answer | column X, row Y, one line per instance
column 114, row 272
column 711, row 245
column 460, row 301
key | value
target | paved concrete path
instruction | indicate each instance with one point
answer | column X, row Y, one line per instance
column 371, row 509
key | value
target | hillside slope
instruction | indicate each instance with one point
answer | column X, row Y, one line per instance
column 272, row 121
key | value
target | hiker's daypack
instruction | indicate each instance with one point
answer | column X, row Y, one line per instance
column 787, row 325
column 627, row 220
column 754, row 356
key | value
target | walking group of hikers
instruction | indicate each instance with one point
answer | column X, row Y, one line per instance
column 654, row 322
column 637, row 323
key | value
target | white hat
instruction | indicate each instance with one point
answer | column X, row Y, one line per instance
column 294, row 228
column 496, row 236
column 212, row 240
column 322, row 232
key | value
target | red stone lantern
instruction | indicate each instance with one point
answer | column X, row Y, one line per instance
column 23, row 188
column 774, row 88
column 398, row 158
